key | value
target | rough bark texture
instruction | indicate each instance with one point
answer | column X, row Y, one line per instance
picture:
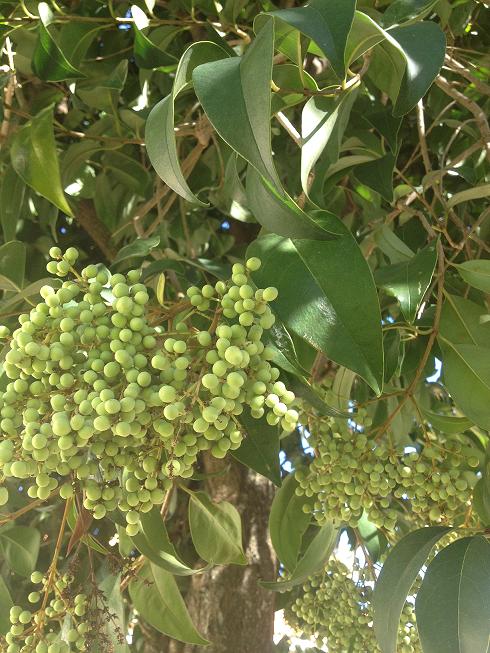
column 227, row 605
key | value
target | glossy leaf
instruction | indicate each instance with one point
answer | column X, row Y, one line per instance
column 409, row 281
column 20, row 549
column 389, row 243
column 313, row 560
column 447, row 423
column 378, row 175
column 462, row 321
column 154, row 543
column 216, row 530
column 34, row 158
column 323, row 122
column 326, row 313
column 467, row 377
column 146, row 53
column 12, row 265
column 470, row 194
column 157, row 598
column 288, row 522
column 260, row 448
column 48, row 62
column 402, row 11
column 11, row 201
column 159, row 133
column 397, row 575
column 5, row 605
column 476, row 273
column 327, row 23
column 139, row 248
column 481, row 500
column 235, row 94
column 413, row 55
column 453, row 602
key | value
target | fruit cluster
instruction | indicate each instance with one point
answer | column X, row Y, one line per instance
column 118, row 406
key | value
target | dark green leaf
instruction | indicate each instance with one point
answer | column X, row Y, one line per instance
column 327, row 23
column 48, row 62
column 288, row 522
column 374, row 540
column 12, row 265
column 157, row 598
column 462, row 321
column 481, row 500
column 395, row 580
column 11, row 201
column 5, row 605
column 453, row 601
column 34, row 158
column 326, row 313
column 391, row 346
column 323, row 122
column 447, row 423
column 216, row 530
column 235, row 93
column 311, row 562
column 260, row 448
column 160, row 135
column 140, row 247
column 476, row 273
column 389, row 243
column 378, row 175
column 146, row 53
column 407, row 62
column 467, row 377
column 409, row 281
column 20, row 548
column 402, row 11
column 154, row 543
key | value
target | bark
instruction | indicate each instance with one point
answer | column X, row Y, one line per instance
column 227, row 605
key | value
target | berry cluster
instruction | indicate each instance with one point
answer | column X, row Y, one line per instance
column 335, row 610
column 352, row 474
column 117, row 406
column 38, row 632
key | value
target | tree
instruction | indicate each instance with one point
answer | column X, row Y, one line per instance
column 256, row 374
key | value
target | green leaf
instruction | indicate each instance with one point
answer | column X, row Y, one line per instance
column 48, row 61
column 34, row 158
column 102, row 91
column 312, row 561
column 11, row 202
column 159, row 133
column 288, row 522
column 110, row 586
column 409, row 281
column 364, row 35
column 260, row 448
column 5, row 604
column 462, row 321
column 476, row 273
column 140, row 247
column 157, row 598
column 378, row 175
column 327, row 23
column 389, row 243
column 235, row 94
column 216, row 530
column 374, row 540
column 29, row 292
column 154, row 543
column 467, row 378
column 481, row 500
column 471, row 194
column 397, row 575
column 146, row 53
column 326, row 313
column 452, row 603
column 391, row 346
column 20, row 548
column 12, row 265
column 447, row 423
column 402, row 11
column 406, row 63
column 323, row 122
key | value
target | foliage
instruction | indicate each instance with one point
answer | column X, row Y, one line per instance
column 344, row 144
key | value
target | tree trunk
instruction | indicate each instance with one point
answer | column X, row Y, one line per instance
column 227, row 604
